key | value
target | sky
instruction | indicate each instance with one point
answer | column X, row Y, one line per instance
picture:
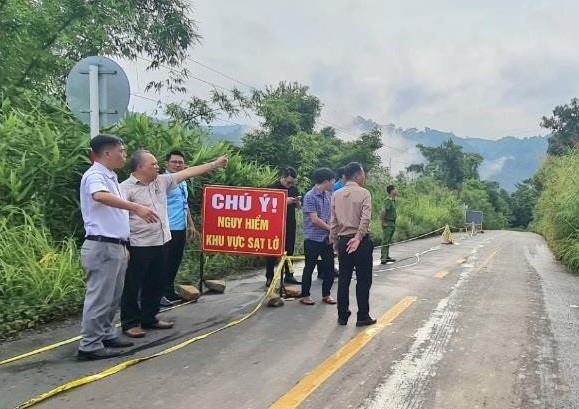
column 478, row 69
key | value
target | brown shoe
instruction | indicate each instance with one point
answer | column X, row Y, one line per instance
column 160, row 325
column 329, row 300
column 307, row 301
column 135, row 332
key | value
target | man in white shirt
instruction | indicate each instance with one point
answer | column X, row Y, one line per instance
column 104, row 253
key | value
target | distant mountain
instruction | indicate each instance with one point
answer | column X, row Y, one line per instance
column 508, row 160
column 230, row 133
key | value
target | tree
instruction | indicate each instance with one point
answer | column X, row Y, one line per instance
column 362, row 150
column 41, row 40
column 448, row 163
column 287, row 110
column 564, row 126
column 523, row 201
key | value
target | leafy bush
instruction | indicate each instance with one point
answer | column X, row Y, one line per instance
column 39, row 278
column 42, row 155
column 423, row 206
column 557, row 212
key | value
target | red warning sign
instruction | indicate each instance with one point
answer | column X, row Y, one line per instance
column 243, row 220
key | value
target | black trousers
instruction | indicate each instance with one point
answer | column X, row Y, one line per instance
column 271, row 262
column 143, row 276
column 173, row 256
column 361, row 260
column 313, row 250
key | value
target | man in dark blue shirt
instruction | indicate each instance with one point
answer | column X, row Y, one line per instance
column 287, row 182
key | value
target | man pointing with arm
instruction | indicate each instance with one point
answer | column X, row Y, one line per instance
column 146, row 187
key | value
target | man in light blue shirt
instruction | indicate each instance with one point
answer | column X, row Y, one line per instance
column 341, row 182
column 180, row 221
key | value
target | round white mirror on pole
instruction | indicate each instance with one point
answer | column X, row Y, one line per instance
column 97, row 92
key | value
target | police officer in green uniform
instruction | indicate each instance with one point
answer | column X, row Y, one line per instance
column 388, row 218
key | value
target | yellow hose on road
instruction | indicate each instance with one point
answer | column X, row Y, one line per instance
column 124, row 365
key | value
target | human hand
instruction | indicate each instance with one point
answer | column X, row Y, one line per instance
column 146, row 214
column 221, row 161
column 352, row 245
column 192, row 233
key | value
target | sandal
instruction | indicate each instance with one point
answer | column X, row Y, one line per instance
column 307, row 301
column 329, row 300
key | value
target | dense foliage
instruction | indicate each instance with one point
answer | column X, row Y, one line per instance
column 44, row 153
column 557, row 210
column 40, row 41
column 564, row 127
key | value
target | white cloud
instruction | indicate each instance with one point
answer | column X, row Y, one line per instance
column 477, row 69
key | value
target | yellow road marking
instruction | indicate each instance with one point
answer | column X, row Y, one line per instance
column 441, row 274
column 460, row 260
column 319, row 375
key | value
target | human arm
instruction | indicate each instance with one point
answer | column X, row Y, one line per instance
column 191, row 225
column 333, row 225
column 364, row 225
column 385, row 211
column 199, row 170
column 311, row 212
column 319, row 222
column 366, row 215
column 109, row 199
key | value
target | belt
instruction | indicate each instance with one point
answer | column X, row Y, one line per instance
column 349, row 236
column 108, row 240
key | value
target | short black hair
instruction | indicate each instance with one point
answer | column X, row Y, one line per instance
column 288, row 171
column 390, row 188
column 320, row 175
column 340, row 171
column 352, row 169
column 175, row 152
column 136, row 159
column 101, row 142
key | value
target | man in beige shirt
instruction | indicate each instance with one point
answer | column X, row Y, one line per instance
column 146, row 187
column 351, row 210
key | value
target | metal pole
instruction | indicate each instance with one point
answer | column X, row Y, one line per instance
column 201, row 268
column 93, row 79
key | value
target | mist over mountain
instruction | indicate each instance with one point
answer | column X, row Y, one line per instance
column 508, row 160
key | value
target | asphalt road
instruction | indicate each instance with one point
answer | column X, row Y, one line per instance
column 490, row 322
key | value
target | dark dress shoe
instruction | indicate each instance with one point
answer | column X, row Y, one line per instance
column 390, row 260
column 344, row 319
column 174, row 297
column 364, row 322
column 160, row 325
column 291, row 280
column 117, row 343
column 94, row 355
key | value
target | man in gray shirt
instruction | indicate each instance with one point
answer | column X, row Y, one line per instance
column 104, row 252
column 146, row 187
